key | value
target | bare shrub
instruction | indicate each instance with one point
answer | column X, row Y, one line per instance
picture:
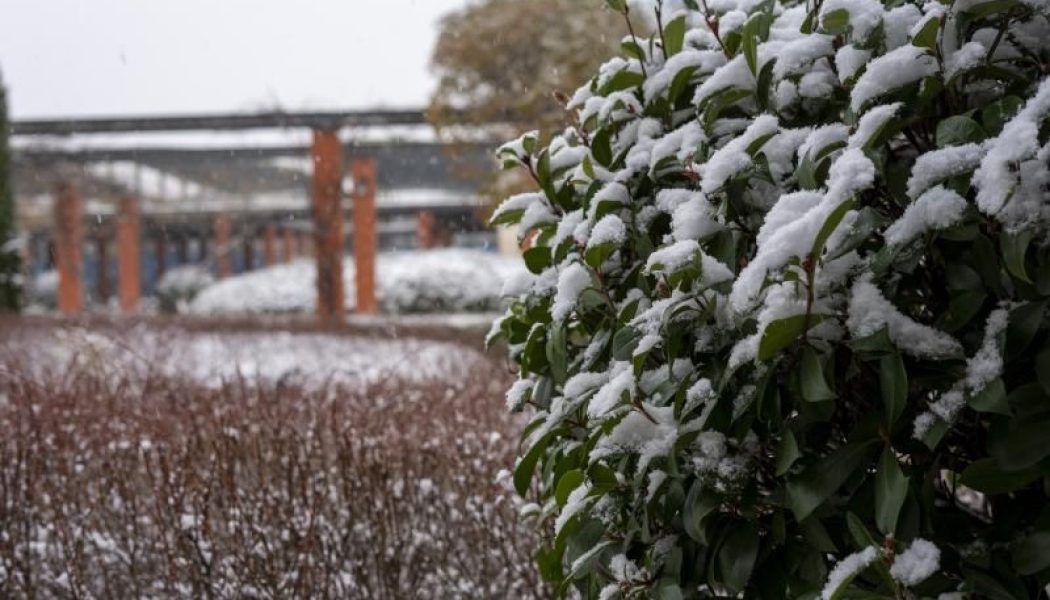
column 115, row 488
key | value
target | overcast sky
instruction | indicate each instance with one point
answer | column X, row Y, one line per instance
column 107, row 57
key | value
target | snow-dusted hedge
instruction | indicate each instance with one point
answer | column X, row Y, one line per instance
column 441, row 280
column 179, row 286
column 787, row 330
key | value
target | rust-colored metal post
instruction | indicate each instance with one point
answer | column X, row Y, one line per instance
column 223, row 262
column 69, row 252
column 270, row 245
column 363, row 172
column 425, row 230
column 129, row 284
column 287, row 245
column 327, row 155
column 102, row 288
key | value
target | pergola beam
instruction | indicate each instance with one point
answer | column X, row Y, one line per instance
column 221, row 122
column 197, row 154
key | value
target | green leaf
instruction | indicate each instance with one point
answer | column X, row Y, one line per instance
column 549, row 562
column 557, row 353
column 814, row 385
column 525, row 467
column 597, row 254
column 962, row 308
column 1042, row 367
column 1024, row 445
column 736, row 558
column 927, row 36
column 622, row 80
column 816, row 535
column 893, row 381
column 537, row 258
column 749, row 41
column 835, row 21
column 891, row 489
column 674, row 36
column 632, row 49
column 828, row 228
column 996, row 114
column 508, row 217
column 697, row 506
column 783, row 332
column 617, row 5
column 822, row 479
column 568, row 482
column 875, row 345
column 668, row 590
column 1025, row 321
column 1032, row 554
column 932, row 437
column 581, row 542
column 787, row 452
column 601, row 146
column 603, row 479
column 991, row 399
column 681, row 79
column 862, row 538
column 988, row 477
column 1014, row 246
column 624, row 343
column 764, row 85
column 958, row 130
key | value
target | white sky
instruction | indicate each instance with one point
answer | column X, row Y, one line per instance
column 106, row 57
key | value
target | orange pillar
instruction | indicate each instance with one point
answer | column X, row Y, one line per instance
column 270, row 245
column 287, row 245
column 327, row 154
column 363, row 172
column 128, row 254
column 223, row 262
column 68, row 250
column 425, row 230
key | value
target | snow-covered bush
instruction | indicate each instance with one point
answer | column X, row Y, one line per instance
column 442, row 280
column 787, row 330
column 179, row 286
column 44, row 289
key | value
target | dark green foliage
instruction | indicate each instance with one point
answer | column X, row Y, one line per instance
column 804, row 348
column 10, row 257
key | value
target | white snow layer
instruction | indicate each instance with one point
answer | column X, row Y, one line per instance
column 917, row 563
column 447, row 279
column 937, row 208
column 870, row 311
column 847, row 568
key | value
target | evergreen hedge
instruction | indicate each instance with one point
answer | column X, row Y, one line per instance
column 786, row 330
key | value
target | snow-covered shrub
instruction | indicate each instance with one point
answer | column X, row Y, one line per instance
column 142, row 483
column 441, row 280
column 44, row 289
column 787, row 330
column 179, row 286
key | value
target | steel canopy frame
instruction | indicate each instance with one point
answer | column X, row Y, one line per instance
column 327, row 121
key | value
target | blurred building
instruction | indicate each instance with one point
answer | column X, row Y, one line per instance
column 230, row 199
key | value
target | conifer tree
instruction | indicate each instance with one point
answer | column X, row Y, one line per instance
column 10, row 260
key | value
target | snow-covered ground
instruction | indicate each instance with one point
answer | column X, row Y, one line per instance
column 444, row 280
column 210, row 358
